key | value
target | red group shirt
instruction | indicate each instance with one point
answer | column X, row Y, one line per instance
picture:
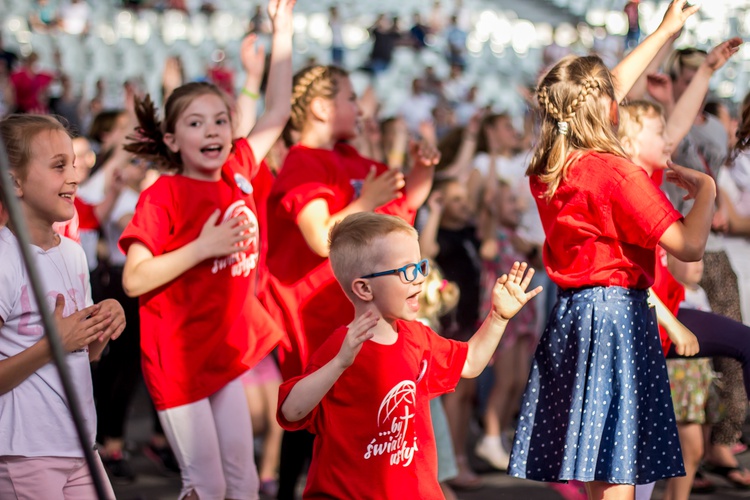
column 603, row 224
column 206, row 327
column 374, row 436
column 302, row 290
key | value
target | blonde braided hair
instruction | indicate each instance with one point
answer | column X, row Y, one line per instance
column 574, row 97
column 309, row 83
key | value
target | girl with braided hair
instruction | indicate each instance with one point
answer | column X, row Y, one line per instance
column 192, row 251
column 597, row 407
column 323, row 180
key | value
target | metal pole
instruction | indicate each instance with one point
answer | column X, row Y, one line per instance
column 50, row 329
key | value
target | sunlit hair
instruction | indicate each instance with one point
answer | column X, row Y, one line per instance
column 631, row 120
column 351, row 243
column 439, row 296
column 488, row 122
column 149, row 139
column 743, row 129
column 576, row 93
column 18, row 133
column 312, row 82
column 682, row 59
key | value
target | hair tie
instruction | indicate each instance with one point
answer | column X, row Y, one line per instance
column 562, row 128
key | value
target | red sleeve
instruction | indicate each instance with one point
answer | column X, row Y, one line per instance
column 86, row 216
column 323, row 355
column 245, row 157
column 152, row 222
column 445, row 362
column 303, row 179
column 640, row 211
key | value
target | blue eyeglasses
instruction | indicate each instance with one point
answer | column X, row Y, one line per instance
column 408, row 273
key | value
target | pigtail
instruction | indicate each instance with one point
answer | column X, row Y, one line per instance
column 148, row 141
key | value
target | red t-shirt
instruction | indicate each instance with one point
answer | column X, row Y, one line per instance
column 29, row 87
column 603, row 224
column 374, row 436
column 262, row 184
column 302, row 290
column 206, row 327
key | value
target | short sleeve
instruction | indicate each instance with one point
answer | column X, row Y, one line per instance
column 303, row 179
column 151, row 223
column 245, row 157
column 640, row 211
column 446, row 362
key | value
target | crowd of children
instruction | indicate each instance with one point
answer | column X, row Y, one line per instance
column 358, row 292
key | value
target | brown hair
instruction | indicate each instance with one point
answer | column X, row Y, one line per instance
column 631, row 119
column 350, row 243
column 572, row 95
column 743, row 128
column 309, row 83
column 488, row 121
column 104, row 123
column 149, row 139
column 18, row 132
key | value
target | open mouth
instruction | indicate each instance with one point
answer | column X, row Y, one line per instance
column 413, row 301
column 212, row 150
column 67, row 196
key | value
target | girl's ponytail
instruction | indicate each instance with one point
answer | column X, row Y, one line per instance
column 148, row 142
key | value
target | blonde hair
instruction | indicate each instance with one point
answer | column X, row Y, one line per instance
column 631, row 119
column 350, row 243
column 682, row 59
column 575, row 118
column 18, row 133
column 309, row 83
column 438, row 298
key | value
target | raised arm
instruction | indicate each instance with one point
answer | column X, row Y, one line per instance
column 633, row 65
column 419, row 179
column 253, row 59
column 279, row 88
column 691, row 101
column 310, row 391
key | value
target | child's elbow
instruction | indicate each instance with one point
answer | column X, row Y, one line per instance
column 130, row 285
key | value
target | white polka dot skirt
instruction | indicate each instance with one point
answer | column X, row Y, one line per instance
column 597, row 406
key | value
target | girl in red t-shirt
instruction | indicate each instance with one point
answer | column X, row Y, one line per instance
column 322, row 181
column 597, row 406
column 192, row 252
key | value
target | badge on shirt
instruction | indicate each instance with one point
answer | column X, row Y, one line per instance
column 243, row 184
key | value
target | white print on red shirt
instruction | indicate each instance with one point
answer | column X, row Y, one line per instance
column 395, row 421
column 242, row 263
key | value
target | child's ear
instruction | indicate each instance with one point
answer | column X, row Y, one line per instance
column 320, row 108
column 169, row 140
column 362, row 290
column 614, row 113
column 627, row 146
column 16, row 185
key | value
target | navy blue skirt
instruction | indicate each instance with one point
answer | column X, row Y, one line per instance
column 597, row 406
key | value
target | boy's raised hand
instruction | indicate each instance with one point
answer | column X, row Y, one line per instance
column 676, row 15
column 359, row 332
column 509, row 294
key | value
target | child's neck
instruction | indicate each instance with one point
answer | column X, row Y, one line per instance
column 40, row 233
column 317, row 138
column 384, row 332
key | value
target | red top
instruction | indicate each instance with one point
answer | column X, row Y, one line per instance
column 262, row 184
column 29, row 88
column 603, row 224
column 374, row 436
column 206, row 327
column 669, row 290
column 303, row 294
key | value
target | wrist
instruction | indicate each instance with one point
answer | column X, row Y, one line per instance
column 250, row 93
column 496, row 317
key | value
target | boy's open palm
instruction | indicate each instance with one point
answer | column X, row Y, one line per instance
column 358, row 333
column 509, row 294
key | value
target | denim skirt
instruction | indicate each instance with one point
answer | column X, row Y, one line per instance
column 597, row 406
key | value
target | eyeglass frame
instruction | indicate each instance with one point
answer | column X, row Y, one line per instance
column 401, row 271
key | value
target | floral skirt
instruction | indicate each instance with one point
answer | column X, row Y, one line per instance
column 597, row 405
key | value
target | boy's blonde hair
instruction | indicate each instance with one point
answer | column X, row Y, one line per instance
column 575, row 118
column 631, row 121
column 350, row 243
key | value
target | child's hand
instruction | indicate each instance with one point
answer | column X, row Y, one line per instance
column 720, row 54
column 428, row 132
column 114, row 310
column 676, row 16
column 253, row 57
column 509, row 294
column 435, row 202
column 688, row 179
column 82, row 327
column 226, row 238
column 685, row 342
column 359, row 332
column 659, row 86
column 280, row 13
column 377, row 191
column 424, row 154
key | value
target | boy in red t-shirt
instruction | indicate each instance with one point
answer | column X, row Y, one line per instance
column 381, row 371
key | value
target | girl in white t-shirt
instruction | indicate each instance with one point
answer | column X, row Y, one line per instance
column 40, row 454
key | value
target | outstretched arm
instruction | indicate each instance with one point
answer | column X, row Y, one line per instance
column 254, row 62
column 279, row 88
